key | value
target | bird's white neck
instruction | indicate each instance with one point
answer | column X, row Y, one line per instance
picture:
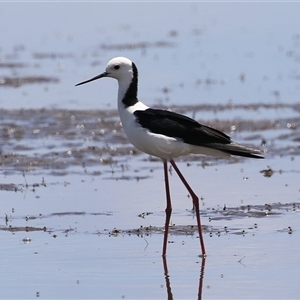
column 124, row 84
column 127, row 94
column 127, row 98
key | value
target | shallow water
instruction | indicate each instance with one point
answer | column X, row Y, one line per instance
column 82, row 211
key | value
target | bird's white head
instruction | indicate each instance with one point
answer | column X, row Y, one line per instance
column 125, row 71
column 120, row 68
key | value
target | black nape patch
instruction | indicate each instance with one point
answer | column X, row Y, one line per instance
column 130, row 97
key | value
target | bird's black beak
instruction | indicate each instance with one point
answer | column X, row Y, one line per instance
column 104, row 74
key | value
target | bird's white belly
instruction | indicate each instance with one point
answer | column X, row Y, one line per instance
column 166, row 147
column 156, row 144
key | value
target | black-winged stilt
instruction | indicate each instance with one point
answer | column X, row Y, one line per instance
column 166, row 134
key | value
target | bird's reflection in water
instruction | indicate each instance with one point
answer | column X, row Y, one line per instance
column 167, row 278
column 168, row 281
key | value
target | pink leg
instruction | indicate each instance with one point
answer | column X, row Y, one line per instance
column 195, row 202
column 168, row 208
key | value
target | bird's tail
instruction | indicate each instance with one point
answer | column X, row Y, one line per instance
column 239, row 150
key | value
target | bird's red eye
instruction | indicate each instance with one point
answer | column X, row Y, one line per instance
column 117, row 67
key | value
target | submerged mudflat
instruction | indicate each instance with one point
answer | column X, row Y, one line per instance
column 61, row 141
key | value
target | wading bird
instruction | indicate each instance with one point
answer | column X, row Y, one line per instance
column 166, row 134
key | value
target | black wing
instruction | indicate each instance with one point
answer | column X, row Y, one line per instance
column 191, row 132
column 179, row 126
